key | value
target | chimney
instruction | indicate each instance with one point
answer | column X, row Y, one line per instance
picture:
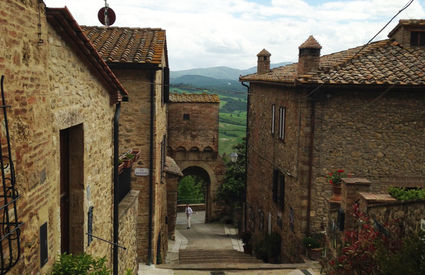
column 309, row 57
column 263, row 62
column 409, row 33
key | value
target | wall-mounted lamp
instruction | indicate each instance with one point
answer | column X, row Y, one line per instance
column 234, row 156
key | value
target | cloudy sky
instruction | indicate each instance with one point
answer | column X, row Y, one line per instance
column 206, row 33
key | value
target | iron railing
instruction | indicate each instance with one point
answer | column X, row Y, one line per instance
column 9, row 225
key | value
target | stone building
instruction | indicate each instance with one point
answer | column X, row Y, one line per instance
column 138, row 56
column 361, row 110
column 193, row 141
column 63, row 100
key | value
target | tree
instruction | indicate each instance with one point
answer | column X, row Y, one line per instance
column 232, row 190
column 190, row 190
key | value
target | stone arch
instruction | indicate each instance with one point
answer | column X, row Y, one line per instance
column 194, row 167
column 193, row 153
column 208, row 153
column 180, row 153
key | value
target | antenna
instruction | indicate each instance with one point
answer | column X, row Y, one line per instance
column 106, row 15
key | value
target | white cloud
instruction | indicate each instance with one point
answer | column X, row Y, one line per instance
column 203, row 33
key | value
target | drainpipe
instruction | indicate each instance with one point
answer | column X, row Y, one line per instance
column 246, row 156
column 116, row 184
column 310, row 162
column 152, row 80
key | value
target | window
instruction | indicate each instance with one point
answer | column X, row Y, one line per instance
column 279, row 188
column 165, row 87
column 273, row 118
column 417, row 39
column 186, row 116
column 282, row 111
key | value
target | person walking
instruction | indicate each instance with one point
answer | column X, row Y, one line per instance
column 189, row 213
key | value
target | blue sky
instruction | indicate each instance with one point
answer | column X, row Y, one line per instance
column 205, row 33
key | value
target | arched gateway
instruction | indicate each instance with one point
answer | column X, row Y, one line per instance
column 193, row 142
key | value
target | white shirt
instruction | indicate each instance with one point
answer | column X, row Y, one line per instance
column 188, row 211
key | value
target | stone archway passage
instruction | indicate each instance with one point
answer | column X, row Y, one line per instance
column 214, row 172
column 199, row 174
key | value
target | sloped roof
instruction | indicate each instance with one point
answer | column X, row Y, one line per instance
column 381, row 62
column 171, row 167
column 408, row 23
column 63, row 22
column 310, row 43
column 128, row 45
column 194, row 98
column 264, row 52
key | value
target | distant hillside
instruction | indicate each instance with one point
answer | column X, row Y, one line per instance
column 220, row 72
column 208, row 83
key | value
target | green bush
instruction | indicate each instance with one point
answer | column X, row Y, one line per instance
column 191, row 190
column 408, row 259
column 404, row 194
column 80, row 264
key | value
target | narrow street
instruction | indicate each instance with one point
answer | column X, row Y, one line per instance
column 213, row 248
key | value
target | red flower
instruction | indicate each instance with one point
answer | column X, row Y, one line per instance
column 340, row 171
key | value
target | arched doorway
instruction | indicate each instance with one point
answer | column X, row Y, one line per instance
column 194, row 188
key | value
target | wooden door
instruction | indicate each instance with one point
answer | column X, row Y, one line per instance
column 64, row 189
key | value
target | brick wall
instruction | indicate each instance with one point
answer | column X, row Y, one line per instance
column 50, row 88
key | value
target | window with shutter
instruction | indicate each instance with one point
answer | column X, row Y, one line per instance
column 282, row 113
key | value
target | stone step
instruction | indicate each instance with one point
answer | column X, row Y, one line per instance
column 215, row 256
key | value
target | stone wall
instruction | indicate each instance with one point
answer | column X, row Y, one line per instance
column 384, row 143
column 50, row 89
column 128, row 210
column 135, row 133
column 193, row 144
column 408, row 214
column 267, row 152
column 200, row 131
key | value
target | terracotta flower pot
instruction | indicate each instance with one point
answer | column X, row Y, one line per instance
column 336, row 192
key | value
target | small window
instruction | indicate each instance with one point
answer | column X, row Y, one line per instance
column 273, row 119
column 282, row 113
column 278, row 188
column 417, row 38
column 186, row 116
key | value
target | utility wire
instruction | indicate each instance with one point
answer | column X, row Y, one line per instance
column 362, row 48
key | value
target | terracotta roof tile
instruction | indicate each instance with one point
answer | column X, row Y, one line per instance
column 127, row 45
column 310, row 43
column 381, row 62
column 194, row 98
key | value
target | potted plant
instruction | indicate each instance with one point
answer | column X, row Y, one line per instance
column 136, row 154
column 334, row 178
column 121, row 166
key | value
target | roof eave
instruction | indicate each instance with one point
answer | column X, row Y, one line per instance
column 65, row 24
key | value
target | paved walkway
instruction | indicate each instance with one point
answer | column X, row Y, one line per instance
column 218, row 237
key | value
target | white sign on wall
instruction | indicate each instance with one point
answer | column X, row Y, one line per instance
column 141, row 172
